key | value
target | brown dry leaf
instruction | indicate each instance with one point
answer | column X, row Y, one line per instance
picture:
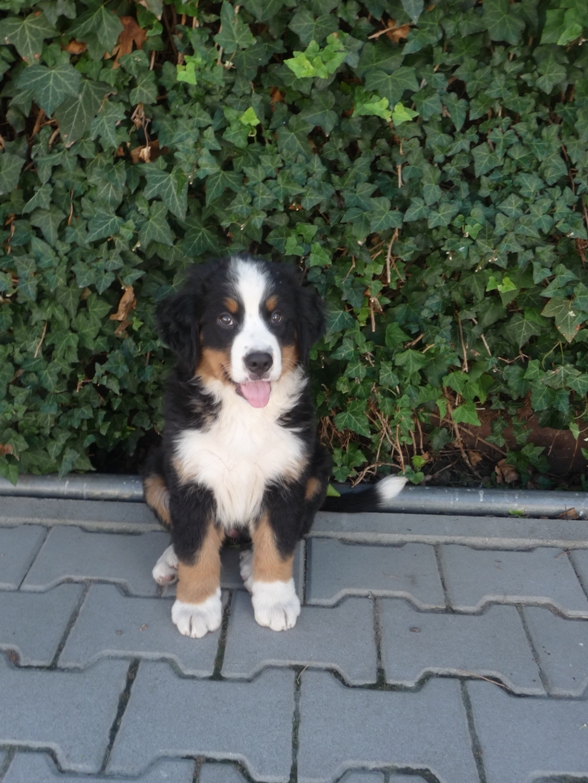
column 75, row 47
column 276, row 96
column 126, row 304
column 569, row 513
column 131, row 34
column 398, row 33
column 475, row 457
column 506, row 474
column 147, row 152
column 5, row 449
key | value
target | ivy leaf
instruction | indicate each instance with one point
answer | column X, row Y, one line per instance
column 103, row 224
column 199, row 239
column 100, row 24
column 552, row 73
column 566, row 319
column 502, row 24
column 234, row 34
column 417, row 210
column 156, row 229
column 354, row 418
column 414, row 8
column 523, row 326
column 263, row 10
column 382, row 216
column 50, row 86
column 466, row 414
column 27, row 35
column 10, row 168
column 75, row 115
column 485, row 159
column 411, row 360
column 171, row 186
column 368, row 104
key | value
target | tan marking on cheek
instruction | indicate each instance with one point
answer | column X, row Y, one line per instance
column 313, row 487
column 268, row 563
column 232, row 305
column 289, row 357
column 201, row 579
column 212, row 365
column 272, row 303
column 157, row 497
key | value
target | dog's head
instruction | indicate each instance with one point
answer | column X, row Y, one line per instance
column 243, row 323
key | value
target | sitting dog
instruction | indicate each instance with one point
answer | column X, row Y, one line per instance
column 239, row 448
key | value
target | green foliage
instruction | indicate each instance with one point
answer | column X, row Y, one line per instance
column 429, row 175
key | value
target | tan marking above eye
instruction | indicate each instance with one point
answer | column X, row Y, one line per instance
column 272, row 303
column 232, row 305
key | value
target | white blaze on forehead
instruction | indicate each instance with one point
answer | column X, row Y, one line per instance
column 252, row 287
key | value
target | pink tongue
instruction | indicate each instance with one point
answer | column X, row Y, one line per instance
column 257, row 393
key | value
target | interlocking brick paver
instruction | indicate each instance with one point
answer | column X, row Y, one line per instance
column 336, row 569
column 18, row 547
column 70, row 713
column 39, row 768
column 36, row 640
column 368, row 777
column 220, row 773
column 113, row 624
column 250, row 722
column 475, row 578
column 580, row 561
column 342, row 728
column 526, row 739
column 493, row 644
column 341, row 637
column 73, row 554
column 562, row 646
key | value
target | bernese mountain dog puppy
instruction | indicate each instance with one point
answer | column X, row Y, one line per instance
column 239, row 448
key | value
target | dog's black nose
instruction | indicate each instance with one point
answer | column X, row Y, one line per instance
column 258, row 362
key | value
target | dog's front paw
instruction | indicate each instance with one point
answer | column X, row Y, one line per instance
column 275, row 604
column 165, row 571
column 246, row 568
column 196, row 620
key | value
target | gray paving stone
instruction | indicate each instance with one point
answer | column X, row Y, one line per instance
column 342, row 728
column 368, row 777
column 39, row 768
column 18, row 547
column 111, row 624
column 220, row 773
column 69, row 713
column 562, row 646
column 33, row 625
column 249, row 722
column 493, row 644
column 526, row 739
column 336, row 569
column 475, row 578
column 580, row 562
column 72, row 554
column 96, row 514
column 341, row 638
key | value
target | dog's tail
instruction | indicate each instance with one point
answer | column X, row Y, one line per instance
column 374, row 498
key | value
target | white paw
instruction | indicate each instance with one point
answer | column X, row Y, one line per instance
column 165, row 571
column 246, row 568
column 196, row 620
column 275, row 604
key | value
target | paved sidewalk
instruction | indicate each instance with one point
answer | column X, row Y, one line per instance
column 429, row 649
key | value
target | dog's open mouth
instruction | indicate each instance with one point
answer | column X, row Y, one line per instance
column 257, row 393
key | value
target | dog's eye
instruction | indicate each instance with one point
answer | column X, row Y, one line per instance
column 226, row 320
column 276, row 317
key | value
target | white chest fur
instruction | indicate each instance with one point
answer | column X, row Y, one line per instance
column 243, row 451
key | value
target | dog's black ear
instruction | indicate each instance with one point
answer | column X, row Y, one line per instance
column 312, row 321
column 178, row 318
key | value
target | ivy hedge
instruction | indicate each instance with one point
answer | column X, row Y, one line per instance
column 426, row 167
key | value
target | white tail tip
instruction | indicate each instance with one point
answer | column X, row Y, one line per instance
column 389, row 487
